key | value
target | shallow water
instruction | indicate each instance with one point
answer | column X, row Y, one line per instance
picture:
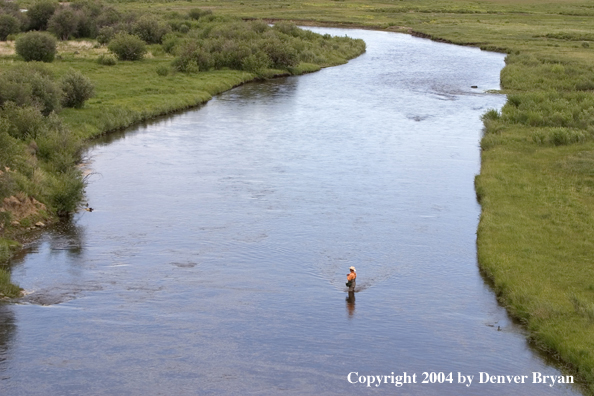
column 216, row 257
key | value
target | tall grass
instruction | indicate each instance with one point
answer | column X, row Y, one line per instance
column 7, row 289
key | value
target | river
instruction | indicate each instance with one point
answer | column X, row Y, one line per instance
column 215, row 260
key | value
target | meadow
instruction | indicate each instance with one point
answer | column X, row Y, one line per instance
column 536, row 186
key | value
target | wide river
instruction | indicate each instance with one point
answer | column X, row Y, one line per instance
column 215, row 261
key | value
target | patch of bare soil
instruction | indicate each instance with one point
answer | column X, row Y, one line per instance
column 20, row 207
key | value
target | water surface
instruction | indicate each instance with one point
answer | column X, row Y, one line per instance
column 216, row 257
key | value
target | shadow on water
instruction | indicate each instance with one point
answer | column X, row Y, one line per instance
column 62, row 242
column 7, row 334
column 260, row 91
column 263, row 92
column 65, row 236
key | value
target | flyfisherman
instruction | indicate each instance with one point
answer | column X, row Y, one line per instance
column 351, row 280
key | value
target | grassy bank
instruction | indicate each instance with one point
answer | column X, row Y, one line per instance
column 536, row 185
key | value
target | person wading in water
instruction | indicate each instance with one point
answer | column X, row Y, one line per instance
column 352, row 280
column 351, row 283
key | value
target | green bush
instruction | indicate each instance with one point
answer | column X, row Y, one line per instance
column 127, row 47
column 150, row 29
column 491, row 115
column 197, row 13
column 36, row 46
column 76, row 89
column 65, row 192
column 23, row 122
column 162, row 71
column 63, row 23
column 108, row 17
column 169, row 42
column 288, row 28
column 254, row 46
column 9, row 156
column 30, row 85
column 256, row 62
column 89, row 12
column 86, row 26
column 8, row 25
column 105, row 34
column 6, row 288
column 58, row 146
column 107, row 59
column 14, row 10
column 281, row 54
column 40, row 13
column 193, row 58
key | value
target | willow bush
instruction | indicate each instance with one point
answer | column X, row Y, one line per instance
column 36, row 46
column 217, row 43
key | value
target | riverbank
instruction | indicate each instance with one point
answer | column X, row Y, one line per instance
column 536, row 182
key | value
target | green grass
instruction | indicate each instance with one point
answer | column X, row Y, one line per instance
column 7, row 289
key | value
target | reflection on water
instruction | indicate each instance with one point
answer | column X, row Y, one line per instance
column 214, row 260
column 350, row 300
column 7, row 334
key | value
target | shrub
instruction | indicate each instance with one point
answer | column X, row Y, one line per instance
column 491, row 115
column 14, row 10
column 108, row 17
column 76, row 89
column 63, row 23
column 66, row 191
column 288, row 28
column 169, row 42
column 8, row 25
column 23, row 122
column 36, row 46
column 197, row 13
column 40, row 13
column 107, row 59
column 192, row 58
column 9, row 153
column 86, row 26
column 280, row 53
column 6, row 288
column 127, row 47
column 106, row 34
column 256, row 62
column 30, row 85
column 58, row 146
column 150, row 29
column 162, row 71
